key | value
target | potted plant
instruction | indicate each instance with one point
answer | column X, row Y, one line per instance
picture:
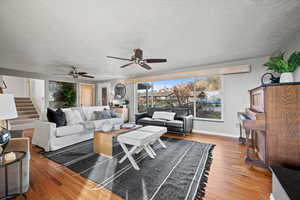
column 125, row 103
column 284, row 67
column 68, row 94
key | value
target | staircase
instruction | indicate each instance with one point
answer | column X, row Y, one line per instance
column 27, row 114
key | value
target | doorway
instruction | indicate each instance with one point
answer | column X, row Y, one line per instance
column 103, row 94
column 87, row 95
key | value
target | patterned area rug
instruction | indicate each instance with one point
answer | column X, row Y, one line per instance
column 179, row 172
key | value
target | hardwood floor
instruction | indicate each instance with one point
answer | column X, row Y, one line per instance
column 229, row 177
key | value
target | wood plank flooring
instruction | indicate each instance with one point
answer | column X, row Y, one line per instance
column 229, row 179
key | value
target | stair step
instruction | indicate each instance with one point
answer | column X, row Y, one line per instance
column 23, row 101
column 30, row 116
column 22, row 98
column 24, row 105
column 27, row 112
column 21, row 121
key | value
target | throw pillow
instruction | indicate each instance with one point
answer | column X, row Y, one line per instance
column 163, row 115
column 83, row 117
column 99, row 115
column 58, row 117
column 73, row 117
column 112, row 112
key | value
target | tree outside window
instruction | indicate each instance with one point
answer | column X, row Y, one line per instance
column 202, row 96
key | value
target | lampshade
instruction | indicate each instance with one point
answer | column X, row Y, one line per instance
column 7, row 107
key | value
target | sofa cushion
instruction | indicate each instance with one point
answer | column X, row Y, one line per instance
column 175, row 129
column 69, row 130
column 175, row 123
column 163, row 115
column 58, row 117
column 73, row 117
column 151, row 110
column 99, row 123
column 158, row 122
column 145, row 120
column 88, row 111
column 81, row 113
column 180, row 112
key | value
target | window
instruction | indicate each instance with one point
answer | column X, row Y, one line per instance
column 202, row 96
column 208, row 98
column 143, row 96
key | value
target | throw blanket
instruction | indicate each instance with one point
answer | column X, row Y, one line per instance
column 88, row 125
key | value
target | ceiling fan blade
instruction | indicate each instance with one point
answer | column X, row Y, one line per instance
column 87, row 76
column 126, row 65
column 144, row 65
column 119, row 58
column 81, row 73
column 155, row 60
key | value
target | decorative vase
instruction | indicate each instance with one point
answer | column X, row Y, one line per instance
column 107, row 126
column 286, row 77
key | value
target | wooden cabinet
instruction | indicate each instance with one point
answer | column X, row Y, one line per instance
column 123, row 112
column 279, row 143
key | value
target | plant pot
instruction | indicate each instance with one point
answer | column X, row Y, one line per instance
column 286, row 77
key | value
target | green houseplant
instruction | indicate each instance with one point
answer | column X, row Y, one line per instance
column 68, row 94
column 286, row 67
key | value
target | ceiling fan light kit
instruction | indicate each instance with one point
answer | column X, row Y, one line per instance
column 76, row 74
column 137, row 58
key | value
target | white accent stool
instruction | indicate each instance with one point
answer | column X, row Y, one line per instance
column 158, row 130
column 139, row 140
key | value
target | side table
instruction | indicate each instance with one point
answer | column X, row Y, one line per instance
column 20, row 155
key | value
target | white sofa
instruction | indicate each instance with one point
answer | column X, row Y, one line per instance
column 50, row 138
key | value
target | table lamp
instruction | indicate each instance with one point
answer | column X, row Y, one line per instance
column 7, row 111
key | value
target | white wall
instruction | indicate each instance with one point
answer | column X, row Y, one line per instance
column 293, row 44
column 17, row 86
column 37, row 94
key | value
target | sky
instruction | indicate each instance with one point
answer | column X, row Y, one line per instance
column 170, row 83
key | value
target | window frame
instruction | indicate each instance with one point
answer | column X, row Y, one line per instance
column 194, row 109
column 222, row 105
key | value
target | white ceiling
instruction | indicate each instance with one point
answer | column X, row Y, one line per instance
column 46, row 35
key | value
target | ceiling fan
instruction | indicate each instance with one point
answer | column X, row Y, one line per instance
column 137, row 58
column 76, row 74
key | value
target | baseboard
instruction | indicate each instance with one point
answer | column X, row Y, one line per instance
column 272, row 197
column 214, row 133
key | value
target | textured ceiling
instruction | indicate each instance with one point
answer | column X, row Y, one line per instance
column 45, row 36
